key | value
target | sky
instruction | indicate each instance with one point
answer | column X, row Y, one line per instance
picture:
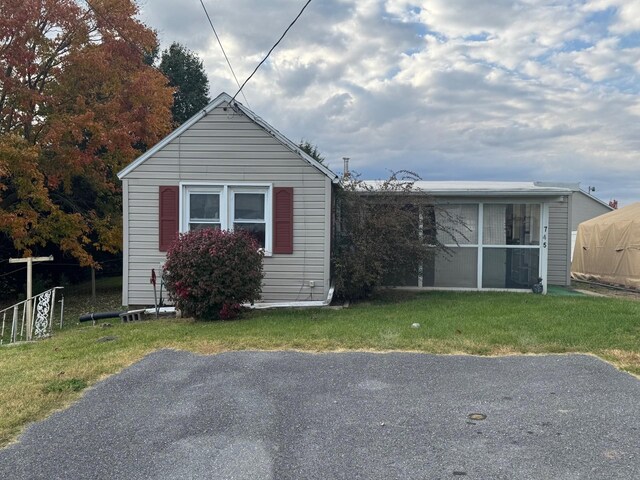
column 510, row 90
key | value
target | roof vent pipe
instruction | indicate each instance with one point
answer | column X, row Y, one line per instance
column 346, row 174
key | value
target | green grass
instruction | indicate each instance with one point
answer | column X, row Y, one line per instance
column 71, row 384
column 38, row 378
column 78, row 301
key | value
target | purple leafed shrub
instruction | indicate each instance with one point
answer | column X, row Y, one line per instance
column 210, row 273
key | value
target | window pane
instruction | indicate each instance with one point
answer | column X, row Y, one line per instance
column 458, row 268
column 456, row 222
column 510, row 267
column 249, row 206
column 204, row 206
column 257, row 230
column 511, row 224
column 200, row 226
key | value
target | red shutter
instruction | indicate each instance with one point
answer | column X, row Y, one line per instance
column 169, row 216
column 283, row 220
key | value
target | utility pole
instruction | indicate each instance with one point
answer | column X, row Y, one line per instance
column 30, row 261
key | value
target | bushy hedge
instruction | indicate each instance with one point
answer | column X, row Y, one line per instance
column 381, row 234
column 210, row 273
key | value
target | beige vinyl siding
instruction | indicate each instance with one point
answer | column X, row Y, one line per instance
column 585, row 208
column 226, row 147
column 559, row 244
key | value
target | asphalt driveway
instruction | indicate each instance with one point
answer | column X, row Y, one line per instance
column 288, row 415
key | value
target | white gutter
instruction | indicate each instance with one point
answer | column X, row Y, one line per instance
column 262, row 306
column 152, row 311
column 317, row 303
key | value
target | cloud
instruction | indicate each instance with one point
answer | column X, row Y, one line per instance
column 504, row 90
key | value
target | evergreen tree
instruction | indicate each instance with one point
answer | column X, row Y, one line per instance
column 186, row 74
column 311, row 150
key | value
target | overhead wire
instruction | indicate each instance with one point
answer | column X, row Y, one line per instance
column 223, row 51
column 271, row 50
column 13, row 271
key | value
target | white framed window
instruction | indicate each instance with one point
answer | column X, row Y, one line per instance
column 203, row 208
column 248, row 211
column 229, row 207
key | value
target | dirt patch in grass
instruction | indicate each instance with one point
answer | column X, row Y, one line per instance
column 607, row 291
column 624, row 360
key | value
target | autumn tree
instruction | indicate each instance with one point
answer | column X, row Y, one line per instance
column 78, row 102
column 186, row 74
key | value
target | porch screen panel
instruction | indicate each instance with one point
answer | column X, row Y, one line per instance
column 511, row 224
column 510, row 267
column 458, row 224
column 458, row 269
column 494, row 225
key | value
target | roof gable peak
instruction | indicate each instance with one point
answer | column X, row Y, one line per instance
column 238, row 108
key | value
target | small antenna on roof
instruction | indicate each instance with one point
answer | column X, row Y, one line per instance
column 346, row 174
column 591, row 189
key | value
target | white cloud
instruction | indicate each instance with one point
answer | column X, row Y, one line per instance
column 509, row 89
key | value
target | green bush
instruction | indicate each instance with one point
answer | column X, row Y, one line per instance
column 210, row 273
column 384, row 231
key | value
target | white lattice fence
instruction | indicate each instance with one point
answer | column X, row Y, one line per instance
column 31, row 319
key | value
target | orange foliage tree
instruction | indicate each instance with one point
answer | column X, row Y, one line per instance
column 78, row 102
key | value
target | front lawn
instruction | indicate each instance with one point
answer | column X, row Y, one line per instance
column 38, row 378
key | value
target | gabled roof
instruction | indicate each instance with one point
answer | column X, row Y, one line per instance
column 595, row 199
column 237, row 106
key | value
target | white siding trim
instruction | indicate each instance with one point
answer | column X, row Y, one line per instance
column 125, row 242
column 463, row 289
column 544, row 245
column 480, row 244
column 327, row 235
column 569, row 237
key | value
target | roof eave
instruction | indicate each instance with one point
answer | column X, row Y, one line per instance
column 477, row 193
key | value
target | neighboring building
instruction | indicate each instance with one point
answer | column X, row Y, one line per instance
column 584, row 207
column 608, row 248
column 228, row 168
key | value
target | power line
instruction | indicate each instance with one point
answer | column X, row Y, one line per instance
column 223, row 52
column 272, row 49
column 13, row 271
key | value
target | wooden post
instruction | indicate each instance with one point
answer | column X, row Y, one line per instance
column 29, row 303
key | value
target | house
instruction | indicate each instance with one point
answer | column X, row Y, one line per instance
column 514, row 233
column 228, row 168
